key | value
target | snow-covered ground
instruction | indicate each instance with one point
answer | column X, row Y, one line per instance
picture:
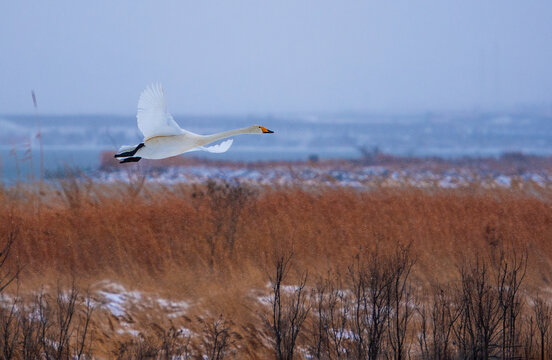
column 303, row 174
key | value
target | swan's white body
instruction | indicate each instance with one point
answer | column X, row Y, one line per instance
column 160, row 147
column 164, row 138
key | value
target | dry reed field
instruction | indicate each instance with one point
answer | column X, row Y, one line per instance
column 223, row 270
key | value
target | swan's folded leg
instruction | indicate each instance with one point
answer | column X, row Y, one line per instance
column 130, row 159
column 126, row 150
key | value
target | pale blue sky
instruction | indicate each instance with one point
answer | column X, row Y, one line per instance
column 239, row 57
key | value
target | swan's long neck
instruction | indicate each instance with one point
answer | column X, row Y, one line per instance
column 225, row 134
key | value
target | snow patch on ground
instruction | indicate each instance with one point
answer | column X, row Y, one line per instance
column 123, row 303
column 116, row 298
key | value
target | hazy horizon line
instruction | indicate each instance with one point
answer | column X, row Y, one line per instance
column 523, row 108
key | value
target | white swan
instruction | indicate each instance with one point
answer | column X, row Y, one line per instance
column 164, row 138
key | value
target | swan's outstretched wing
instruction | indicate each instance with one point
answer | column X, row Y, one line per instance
column 153, row 117
column 219, row 148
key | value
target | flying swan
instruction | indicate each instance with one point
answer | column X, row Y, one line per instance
column 163, row 137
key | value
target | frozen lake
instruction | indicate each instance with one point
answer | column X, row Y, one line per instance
column 77, row 140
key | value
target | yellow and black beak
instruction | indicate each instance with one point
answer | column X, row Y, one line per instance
column 266, row 131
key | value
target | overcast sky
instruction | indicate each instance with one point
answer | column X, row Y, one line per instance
column 238, row 57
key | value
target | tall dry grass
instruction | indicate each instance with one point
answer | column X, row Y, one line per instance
column 156, row 231
column 216, row 243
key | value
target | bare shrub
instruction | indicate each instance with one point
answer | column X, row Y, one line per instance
column 371, row 282
column 319, row 344
column 338, row 319
column 543, row 316
column 217, row 340
column 175, row 344
column 48, row 331
column 62, row 334
column 437, row 320
column 510, row 274
column 331, row 327
column 369, row 315
column 159, row 344
column 82, row 347
column 10, row 331
column 30, row 340
column 477, row 330
column 400, row 302
column 528, row 338
column 7, row 276
column 61, row 337
column 289, row 310
column 10, row 326
column 319, row 339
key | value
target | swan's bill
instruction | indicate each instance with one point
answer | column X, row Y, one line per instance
column 266, row 131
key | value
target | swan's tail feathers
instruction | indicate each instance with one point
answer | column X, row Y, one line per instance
column 219, row 148
column 130, row 159
column 128, row 150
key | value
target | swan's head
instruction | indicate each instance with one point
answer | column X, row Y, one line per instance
column 258, row 129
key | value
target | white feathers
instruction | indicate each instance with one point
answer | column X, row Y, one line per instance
column 153, row 116
column 219, row 148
